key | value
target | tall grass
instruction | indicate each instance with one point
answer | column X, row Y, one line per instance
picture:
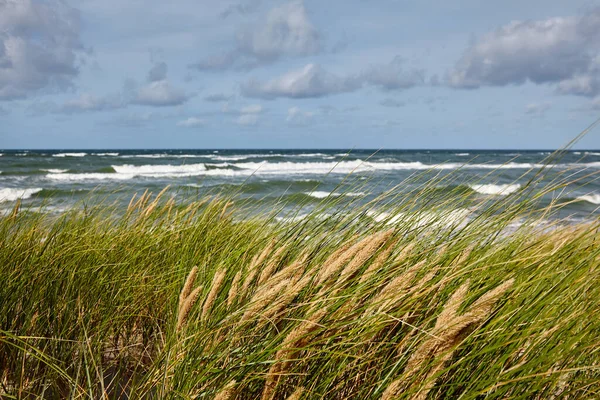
column 211, row 300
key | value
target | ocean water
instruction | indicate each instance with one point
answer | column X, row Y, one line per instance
column 290, row 179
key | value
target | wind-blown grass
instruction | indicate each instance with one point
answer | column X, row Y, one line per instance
column 209, row 300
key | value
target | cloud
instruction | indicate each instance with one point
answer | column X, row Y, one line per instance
column 310, row 81
column 247, row 119
column 158, row 72
column 240, row 8
column 248, row 115
column 393, row 76
column 392, row 103
column 537, row 109
column 561, row 50
column 217, row 98
column 40, row 47
column 159, row 93
column 88, row 103
column 285, row 31
column 296, row 116
column 252, row 109
column 191, row 122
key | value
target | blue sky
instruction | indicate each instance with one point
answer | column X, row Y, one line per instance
column 298, row 74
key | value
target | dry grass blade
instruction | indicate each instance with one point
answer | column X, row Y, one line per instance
column 187, row 286
column 449, row 331
column 227, row 392
column 186, row 307
column 263, row 298
column 395, row 289
column 214, row 291
column 257, row 260
column 329, row 268
column 234, row 289
column 363, row 255
column 299, row 337
column 271, row 266
column 378, row 262
column 297, row 394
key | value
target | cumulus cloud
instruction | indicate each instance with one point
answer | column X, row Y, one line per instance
column 159, row 93
column 191, row 122
column 286, row 30
column 252, row 109
column 87, row 103
column 247, row 119
column 248, row 115
column 296, row 116
column 561, row 50
column 310, row 81
column 40, row 46
column 158, row 72
column 393, row 76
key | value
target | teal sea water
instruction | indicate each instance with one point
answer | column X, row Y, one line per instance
column 57, row 179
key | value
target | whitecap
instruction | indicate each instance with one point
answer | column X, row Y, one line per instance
column 12, row 194
column 322, row 194
column 55, row 170
column 491, row 189
column 69, row 155
column 593, row 198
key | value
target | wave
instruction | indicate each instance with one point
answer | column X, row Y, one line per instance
column 492, row 189
column 462, row 154
column 322, row 194
column 591, row 153
column 12, row 194
column 290, row 168
column 55, row 170
column 446, row 218
column 106, row 154
column 590, row 198
column 69, row 155
column 264, row 168
column 162, row 155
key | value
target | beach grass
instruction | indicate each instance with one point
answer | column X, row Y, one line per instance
column 402, row 297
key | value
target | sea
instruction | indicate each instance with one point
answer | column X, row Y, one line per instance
column 53, row 181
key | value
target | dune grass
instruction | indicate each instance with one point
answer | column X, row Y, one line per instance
column 209, row 300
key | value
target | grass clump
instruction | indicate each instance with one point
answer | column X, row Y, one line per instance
column 192, row 301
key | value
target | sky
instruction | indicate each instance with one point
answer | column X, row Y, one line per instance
column 298, row 74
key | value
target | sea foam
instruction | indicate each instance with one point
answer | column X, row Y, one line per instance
column 593, row 198
column 491, row 189
column 12, row 194
column 69, row 155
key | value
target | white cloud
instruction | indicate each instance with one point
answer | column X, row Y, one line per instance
column 393, row 76
column 159, row 93
column 285, row 31
column 561, row 50
column 247, row 119
column 310, row 81
column 296, row 116
column 87, row 102
column 191, row 122
column 537, row 109
column 252, row 109
column 40, row 46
